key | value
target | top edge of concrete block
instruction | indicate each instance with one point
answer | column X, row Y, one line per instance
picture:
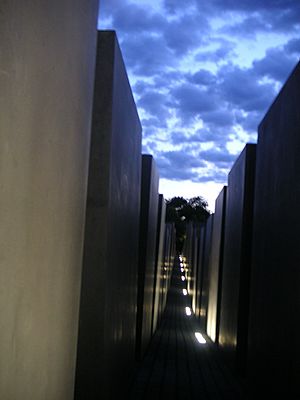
column 248, row 149
column 294, row 74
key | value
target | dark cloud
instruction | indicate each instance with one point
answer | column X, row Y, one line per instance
column 189, row 38
column 215, row 155
column 221, row 53
column 241, row 89
column 147, row 55
column 202, row 77
column 138, row 19
column 183, row 65
column 190, row 101
column 178, row 165
column 277, row 64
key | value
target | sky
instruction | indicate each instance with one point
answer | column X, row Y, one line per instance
column 203, row 74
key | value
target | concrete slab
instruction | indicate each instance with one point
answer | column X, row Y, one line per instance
column 216, row 268
column 274, row 351
column 46, row 83
column 160, row 268
column 203, row 282
column 147, row 248
column 106, row 346
column 237, row 259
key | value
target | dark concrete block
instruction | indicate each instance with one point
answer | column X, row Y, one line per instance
column 169, row 257
column 237, row 259
column 274, row 350
column 200, row 259
column 203, row 274
column 195, row 263
column 147, row 248
column 46, row 84
column 160, row 269
column 216, row 267
column 106, row 346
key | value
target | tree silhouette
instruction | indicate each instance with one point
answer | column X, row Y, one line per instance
column 180, row 211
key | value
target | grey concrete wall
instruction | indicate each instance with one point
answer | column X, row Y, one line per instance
column 204, row 272
column 106, row 347
column 237, row 259
column 160, row 268
column 147, row 246
column 46, row 82
column 215, row 268
column 275, row 310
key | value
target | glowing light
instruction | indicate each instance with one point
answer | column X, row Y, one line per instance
column 181, row 265
column 188, row 311
column 184, row 291
column 182, row 269
column 200, row 338
column 182, row 278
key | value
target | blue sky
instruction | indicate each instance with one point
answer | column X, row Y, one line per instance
column 203, row 74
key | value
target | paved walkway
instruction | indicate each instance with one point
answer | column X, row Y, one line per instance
column 176, row 365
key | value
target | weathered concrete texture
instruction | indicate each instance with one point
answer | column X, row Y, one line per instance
column 106, row 347
column 275, row 309
column 203, row 281
column 46, row 82
column 237, row 259
column 147, row 247
column 160, row 269
column 215, row 268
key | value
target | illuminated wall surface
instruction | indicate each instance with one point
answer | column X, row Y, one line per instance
column 160, row 269
column 46, row 82
column 147, row 249
column 275, row 310
column 106, row 346
column 215, row 267
column 237, row 258
column 203, row 280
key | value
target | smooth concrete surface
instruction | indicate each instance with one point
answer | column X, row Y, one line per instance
column 204, row 272
column 274, row 351
column 46, row 83
column 168, row 257
column 194, row 274
column 200, row 260
column 147, row 247
column 106, row 346
column 160, row 268
column 215, row 267
column 237, row 259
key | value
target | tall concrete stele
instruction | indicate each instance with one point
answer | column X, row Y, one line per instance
column 46, row 83
column 106, row 346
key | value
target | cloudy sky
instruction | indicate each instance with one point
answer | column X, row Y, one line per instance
column 203, row 74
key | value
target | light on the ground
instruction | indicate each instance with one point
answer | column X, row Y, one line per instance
column 188, row 311
column 183, row 278
column 184, row 291
column 200, row 338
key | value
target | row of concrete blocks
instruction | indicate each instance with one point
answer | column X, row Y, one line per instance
column 128, row 251
column 244, row 262
column 85, row 256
